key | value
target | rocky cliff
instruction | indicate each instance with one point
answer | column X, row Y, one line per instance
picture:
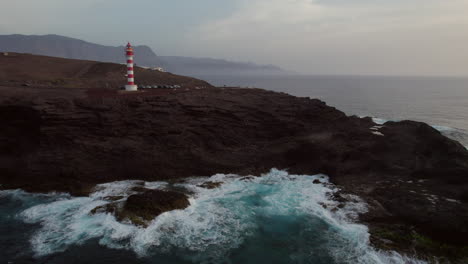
column 414, row 179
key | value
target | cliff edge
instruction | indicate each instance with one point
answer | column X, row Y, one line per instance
column 414, row 179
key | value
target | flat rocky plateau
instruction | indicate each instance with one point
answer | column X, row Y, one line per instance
column 414, row 179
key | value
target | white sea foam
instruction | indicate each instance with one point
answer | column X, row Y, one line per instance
column 379, row 121
column 123, row 188
column 377, row 133
column 444, row 128
column 14, row 194
column 382, row 121
column 19, row 194
column 217, row 222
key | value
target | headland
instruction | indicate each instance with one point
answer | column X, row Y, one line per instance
column 66, row 127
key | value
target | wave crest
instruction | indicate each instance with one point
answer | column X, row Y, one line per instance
column 276, row 217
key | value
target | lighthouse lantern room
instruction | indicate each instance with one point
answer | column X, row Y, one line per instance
column 130, row 76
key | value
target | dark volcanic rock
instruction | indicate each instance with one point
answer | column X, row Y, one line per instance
column 111, row 208
column 140, row 208
column 210, row 185
column 143, row 207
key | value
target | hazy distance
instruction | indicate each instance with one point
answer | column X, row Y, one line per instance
column 412, row 37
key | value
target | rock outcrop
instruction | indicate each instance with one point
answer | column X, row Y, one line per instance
column 146, row 206
column 140, row 209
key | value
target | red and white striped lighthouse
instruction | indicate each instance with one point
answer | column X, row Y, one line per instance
column 130, row 76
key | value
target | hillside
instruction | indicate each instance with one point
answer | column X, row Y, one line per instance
column 18, row 69
column 71, row 48
column 65, row 47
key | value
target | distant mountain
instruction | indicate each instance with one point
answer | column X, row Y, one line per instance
column 65, row 47
column 208, row 66
column 71, row 48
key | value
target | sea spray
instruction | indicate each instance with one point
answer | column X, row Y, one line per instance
column 276, row 218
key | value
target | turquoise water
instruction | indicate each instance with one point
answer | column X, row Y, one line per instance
column 277, row 218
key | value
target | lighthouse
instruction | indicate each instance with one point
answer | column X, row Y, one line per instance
column 130, row 77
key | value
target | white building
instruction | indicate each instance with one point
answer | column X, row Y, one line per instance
column 160, row 69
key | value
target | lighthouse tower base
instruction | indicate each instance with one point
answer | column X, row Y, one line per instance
column 131, row 88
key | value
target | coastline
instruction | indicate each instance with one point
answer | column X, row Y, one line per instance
column 412, row 177
column 319, row 200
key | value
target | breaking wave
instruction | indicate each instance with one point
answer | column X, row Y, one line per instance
column 276, row 218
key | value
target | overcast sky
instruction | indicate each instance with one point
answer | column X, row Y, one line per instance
column 389, row 37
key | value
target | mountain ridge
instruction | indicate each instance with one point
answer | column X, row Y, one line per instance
column 73, row 48
column 212, row 66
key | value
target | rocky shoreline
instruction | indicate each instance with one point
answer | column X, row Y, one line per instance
column 414, row 179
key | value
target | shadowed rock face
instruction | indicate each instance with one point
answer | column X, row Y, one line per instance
column 211, row 185
column 408, row 172
column 144, row 207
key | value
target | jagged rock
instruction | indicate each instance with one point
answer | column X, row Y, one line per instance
column 113, row 198
column 144, row 207
column 111, row 208
column 139, row 189
column 210, row 185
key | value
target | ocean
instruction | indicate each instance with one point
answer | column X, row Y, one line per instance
column 439, row 101
column 276, row 218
